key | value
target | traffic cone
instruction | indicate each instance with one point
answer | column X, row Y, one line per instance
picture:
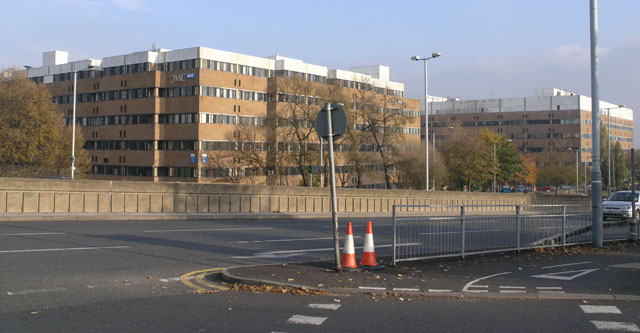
column 369, row 253
column 349, row 252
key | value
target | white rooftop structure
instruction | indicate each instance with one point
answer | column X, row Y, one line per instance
column 544, row 99
column 56, row 62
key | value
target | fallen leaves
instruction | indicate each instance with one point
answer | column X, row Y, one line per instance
column 276, row 289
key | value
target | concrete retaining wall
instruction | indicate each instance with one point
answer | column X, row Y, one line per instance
column 88, row 196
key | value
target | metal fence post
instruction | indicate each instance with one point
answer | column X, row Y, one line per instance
column 394, row 235
column 564, row 226
column 462, row 230
column 518, row 226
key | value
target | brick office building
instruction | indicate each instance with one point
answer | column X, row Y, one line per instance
column 552, row 119
column 162, row 115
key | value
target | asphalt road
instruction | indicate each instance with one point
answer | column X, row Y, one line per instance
column 125, row 276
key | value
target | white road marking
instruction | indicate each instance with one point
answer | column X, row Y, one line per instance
column 550, row 292
column 66, row 249
column 35, row 234
column 217, row 229
column 635, row 265
column 572, row 264
column 600, row 309
column 479, row 286
column 470, row 284
column 283, row 254
column 439, row 290
column 325, row 306
column 457, row 232
column 287, row 240
column 513, row 291
column 512, row 287
column 306, row 320
column 175, row 279
column 476, row 291
column 549, row 288
column 406, row 289
column 562, row 275
column 615, row 326
column 371, row 288
column 35, row 291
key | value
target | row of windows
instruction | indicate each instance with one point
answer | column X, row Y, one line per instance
column 114, row 170
column 118, row 145
column 105, row 96
column 518, row 122
column 403, row 130
column 126, row 69
column 621, row 127
column 233, row 93
column 69, row 76
column 172, row 118
column 178, row 118
column 178, row 91
column 233, row 68
column 212, row 118
column 133, row 119
column 368, row 87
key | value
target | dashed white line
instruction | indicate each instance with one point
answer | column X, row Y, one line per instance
column 615, row 326
column 35, row 234
column 571, row 264
column 549, row 288
column 406, row 289
column 371, row 288
column 513, row 291
column 306, row 320
column 600, row 309
column 278, row 254
column 35, row 291
column 439, row 290
column 512, row 287
column 218, row 229
column 633, row 265
column 287, row 240
column 66, row 249
column 325, row 306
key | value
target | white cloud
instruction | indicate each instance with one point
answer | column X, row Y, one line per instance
column 133, row 5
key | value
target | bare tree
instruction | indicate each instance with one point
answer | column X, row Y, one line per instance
column 295, row 105
column 380, row 124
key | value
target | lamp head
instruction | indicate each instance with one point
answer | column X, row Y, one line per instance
column 415, row 57
column 435, row 54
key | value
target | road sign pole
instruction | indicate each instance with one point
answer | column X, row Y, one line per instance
column 334, row 200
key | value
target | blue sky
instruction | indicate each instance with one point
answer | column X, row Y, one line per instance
column 491, row 48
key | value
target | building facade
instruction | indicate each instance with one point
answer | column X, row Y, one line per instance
column 163, row 115
column 551, row 120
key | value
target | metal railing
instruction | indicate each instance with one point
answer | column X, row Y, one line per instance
column 451, row 231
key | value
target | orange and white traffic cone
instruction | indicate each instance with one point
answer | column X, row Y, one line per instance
column 349, row 252
column 369, row 252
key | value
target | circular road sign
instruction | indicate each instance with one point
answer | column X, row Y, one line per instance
column 338, row 122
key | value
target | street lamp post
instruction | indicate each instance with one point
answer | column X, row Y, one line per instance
column 73, row 130
column 426, row 114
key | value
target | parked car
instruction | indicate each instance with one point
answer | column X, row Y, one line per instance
column 619, row 205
